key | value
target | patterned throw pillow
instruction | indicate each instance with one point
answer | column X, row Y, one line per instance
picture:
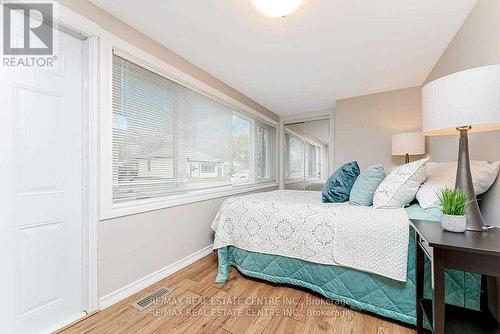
column 401, row 185
column 339, row 184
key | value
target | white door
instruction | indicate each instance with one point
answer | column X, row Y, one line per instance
column 41, row 192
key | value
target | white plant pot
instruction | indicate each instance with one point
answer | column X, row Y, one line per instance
column 453, row 223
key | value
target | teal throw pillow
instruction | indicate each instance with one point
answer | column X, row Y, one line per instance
column 367, row 182
column 339, row 184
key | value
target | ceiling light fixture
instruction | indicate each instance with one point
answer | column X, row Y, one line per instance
column 277, row 8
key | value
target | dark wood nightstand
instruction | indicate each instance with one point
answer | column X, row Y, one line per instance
column 477, row 252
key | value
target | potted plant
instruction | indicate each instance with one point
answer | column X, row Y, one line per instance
column 454, row 204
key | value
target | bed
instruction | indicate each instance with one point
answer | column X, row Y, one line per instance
column 385, row 293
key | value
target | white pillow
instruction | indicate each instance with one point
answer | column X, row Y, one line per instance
column 441, row 175
column 401, row 185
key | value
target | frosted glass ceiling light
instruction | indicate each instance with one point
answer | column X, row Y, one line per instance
column 277, row 8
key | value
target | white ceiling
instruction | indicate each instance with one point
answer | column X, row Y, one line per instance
column 327, row 50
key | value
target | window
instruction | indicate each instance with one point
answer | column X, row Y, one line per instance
column 304, row 152
column 170, row 139
column 294, row 157
column 265, row 147
column 313, row 156
column 208, row 168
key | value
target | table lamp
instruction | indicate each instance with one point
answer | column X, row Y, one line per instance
column 458, row 104
column 409, row 143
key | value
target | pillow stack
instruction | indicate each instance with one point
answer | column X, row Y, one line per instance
column 373, row 187
column 418, row 179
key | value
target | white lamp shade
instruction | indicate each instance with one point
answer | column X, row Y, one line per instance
column 412, row 143
column 467, row 98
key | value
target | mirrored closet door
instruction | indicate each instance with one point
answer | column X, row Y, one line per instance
column 306, row 146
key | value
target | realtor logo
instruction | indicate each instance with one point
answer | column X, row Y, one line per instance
column 27, row 28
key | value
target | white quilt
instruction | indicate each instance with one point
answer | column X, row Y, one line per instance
column 297, row 224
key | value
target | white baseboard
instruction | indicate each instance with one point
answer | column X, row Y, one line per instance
column 142, row 283
column 60, row 325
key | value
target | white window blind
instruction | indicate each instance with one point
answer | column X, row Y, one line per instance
column 168, row 138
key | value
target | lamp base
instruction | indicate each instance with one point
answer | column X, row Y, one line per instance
column 463, row 181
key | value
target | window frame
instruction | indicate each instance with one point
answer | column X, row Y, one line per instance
column 317, row 161
column 109, row 209
column 291, row 134
column 274, row 138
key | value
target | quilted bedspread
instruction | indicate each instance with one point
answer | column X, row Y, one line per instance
column 297, row 224
column 360, row 290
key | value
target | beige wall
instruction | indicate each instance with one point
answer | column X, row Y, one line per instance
column 477, row 43
column 135, row 246
column 364, row 126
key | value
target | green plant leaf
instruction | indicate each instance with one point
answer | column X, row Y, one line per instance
column 454, row 201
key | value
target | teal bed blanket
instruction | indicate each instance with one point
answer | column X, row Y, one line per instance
column 361, row 290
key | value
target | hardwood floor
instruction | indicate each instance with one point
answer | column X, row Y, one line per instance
column 242, row 305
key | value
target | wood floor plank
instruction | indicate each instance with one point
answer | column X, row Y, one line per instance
column 220, row 331
column 186, row 307
column 259, row 309
column 369, row 324
column 290, row 299
column 123, row 310
column 203, row 321
column 242, row 305
column 320, row 319
column 167, row 316
column 285, row 325
column 308, row 305
column 344, row 319
column 138, row 320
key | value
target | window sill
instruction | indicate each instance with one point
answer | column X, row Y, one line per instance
column 307, row 179
column 289, row 181
column 145, row 205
